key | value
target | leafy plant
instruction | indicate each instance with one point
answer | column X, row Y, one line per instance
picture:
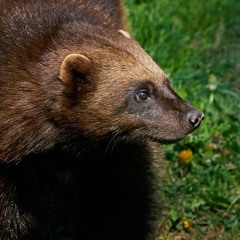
column 197, row 44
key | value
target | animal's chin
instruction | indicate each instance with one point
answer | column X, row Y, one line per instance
column 171, row 138
column 166, row 140
column 142, row 137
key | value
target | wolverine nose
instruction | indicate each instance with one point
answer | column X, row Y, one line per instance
column 195, row 117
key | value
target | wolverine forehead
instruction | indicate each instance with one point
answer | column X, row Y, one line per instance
column 132, row 63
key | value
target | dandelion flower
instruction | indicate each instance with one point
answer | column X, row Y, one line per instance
column 186, row 224
column 185, row 156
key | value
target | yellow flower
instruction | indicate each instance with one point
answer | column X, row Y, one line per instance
column 186, row 224
column 185, row 156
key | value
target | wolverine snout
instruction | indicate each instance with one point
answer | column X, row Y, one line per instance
column 195, row 117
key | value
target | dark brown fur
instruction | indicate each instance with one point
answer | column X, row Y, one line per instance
column 76, row 128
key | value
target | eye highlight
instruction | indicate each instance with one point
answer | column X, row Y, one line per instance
column 142, row 95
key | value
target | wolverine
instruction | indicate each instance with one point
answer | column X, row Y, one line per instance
column 83, row 107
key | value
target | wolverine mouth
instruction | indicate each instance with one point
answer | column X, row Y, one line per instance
column 166, row 141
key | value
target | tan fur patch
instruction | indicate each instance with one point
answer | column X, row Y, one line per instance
column 125, row 33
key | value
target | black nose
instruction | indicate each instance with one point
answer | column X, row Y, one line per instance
column 195, row 117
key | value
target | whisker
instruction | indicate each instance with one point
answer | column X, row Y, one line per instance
column 111, row 140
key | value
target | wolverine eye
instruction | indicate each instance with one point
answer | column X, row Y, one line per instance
column 142, row 95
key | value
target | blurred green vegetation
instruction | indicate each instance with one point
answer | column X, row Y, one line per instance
column 197, row 43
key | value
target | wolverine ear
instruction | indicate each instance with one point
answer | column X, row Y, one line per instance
column 74, row 68
column 125, row 33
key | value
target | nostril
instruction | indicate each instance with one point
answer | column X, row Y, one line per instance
column 193, row 120
column 195, row 117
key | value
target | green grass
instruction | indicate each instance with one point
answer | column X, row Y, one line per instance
column 197, row 43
